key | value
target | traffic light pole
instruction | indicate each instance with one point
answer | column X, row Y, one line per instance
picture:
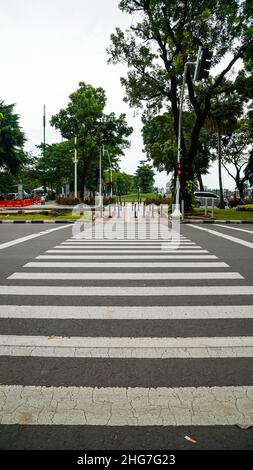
column 177, row 212
column 75, row 169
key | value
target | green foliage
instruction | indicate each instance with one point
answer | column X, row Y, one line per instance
column 157, row 200
column 191, row 187
column 236, row 151
column 84, row 118
column 164, row 34
column 145, row 177
column 12, row 139
column 246, row 208
column 68, row 201
column 55, row 166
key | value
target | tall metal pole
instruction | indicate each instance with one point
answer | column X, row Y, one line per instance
column 44, row 129
column 177, row 212
column 111, row 180
column 75, row 169
column 101, row 154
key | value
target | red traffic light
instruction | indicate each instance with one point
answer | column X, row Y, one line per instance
column 179, row 169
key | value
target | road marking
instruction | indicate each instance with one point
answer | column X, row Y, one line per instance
column 119, row 406
column 234, row 228
column 196, row 312
column 223, row 235
column 126, row 291
column 129, row 247
column 114, row 264
column 110, row 276
column 113, row 251
column 124, row 245
column 111, row 256
column 30, row 237
column 124, row 347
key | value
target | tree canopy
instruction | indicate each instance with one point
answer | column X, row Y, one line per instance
column 12, row 139
column 84, row 118
column 166, row 35
column 145, row 177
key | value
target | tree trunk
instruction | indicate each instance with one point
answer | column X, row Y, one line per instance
column 222, row 204
column 201, row 186
column 240, row 187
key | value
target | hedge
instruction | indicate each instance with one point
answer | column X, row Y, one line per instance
column 246, row 208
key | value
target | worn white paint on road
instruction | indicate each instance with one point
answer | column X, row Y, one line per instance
column 224, row 235
column 127, row 342
column 234, row 228
column 188, row 312
column 126, row 291
column 111, row 256
column 17, row 241
column 109, row 276
column 162, row 406
column 163, row 264
column 112, row 251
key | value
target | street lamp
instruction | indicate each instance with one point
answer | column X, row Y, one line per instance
column 109, row 158
column 176, row 212
column 75, row 169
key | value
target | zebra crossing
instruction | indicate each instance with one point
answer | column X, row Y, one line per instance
column 126, row 332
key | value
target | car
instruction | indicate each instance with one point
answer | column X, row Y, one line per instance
column 12, row 196
column 201, row 197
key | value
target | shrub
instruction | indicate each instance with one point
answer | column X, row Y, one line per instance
column 68, row 201
column 157, row 200
column 246, row 208
column 248, row 201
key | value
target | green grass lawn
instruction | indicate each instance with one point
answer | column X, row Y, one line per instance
column 39, row 217
column 224, row 214
column 134, row 197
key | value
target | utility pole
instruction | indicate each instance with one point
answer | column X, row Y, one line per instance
column 44, row 129
column 75, row 169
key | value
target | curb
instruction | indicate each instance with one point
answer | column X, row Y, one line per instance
column 66, row 221
column 69, row 221
column 193, row 221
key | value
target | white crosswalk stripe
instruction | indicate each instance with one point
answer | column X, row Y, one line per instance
column 117, row 306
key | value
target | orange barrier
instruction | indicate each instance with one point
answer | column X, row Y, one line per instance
column 20, row 202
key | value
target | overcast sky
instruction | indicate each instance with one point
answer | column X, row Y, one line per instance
column 47, row 47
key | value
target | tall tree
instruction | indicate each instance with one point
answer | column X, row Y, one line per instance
column 222, row 119
column 161, row 146
column 55, row 166
column 85, row 119
column 236, row 151
column 12, row 139
column 164, row 37
column 145, row 177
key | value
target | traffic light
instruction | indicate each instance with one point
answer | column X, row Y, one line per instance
column 203, row 64
column 179, row 169
column 187, row 170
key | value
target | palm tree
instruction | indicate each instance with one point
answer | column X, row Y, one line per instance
column 222, row 120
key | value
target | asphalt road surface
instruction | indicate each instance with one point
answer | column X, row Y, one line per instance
column 119, row 344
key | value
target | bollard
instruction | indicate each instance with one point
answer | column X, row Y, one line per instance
column 212, row 208
column 205, row 206
column 118, row 210
column 182, row 210
column 135, row 211
column 153, row 211
column 110, row 212
column 144, row 211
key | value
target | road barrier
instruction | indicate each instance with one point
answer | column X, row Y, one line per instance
column 20, row 202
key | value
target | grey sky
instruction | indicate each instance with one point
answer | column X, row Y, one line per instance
column 47, row 47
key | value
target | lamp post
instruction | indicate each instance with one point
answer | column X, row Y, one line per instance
column 176, row 212
column 109, row 158
column 75, row 169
